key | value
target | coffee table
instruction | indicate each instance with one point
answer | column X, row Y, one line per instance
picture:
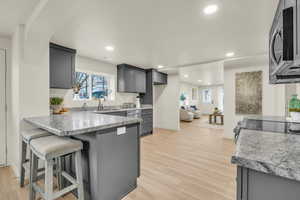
column 215, row 116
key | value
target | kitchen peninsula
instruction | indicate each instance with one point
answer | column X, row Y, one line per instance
column 111, row 154
column 267, row 159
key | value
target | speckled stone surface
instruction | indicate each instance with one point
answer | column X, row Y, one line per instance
column 271, row 124
column 143, row 107
column 109, row 109
column 273, row 153
column 75, row 123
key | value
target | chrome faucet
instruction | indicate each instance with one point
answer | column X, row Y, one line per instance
column 100, row 105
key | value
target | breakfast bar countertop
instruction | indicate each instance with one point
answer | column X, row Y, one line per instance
column 269, row 152
column 75, row 123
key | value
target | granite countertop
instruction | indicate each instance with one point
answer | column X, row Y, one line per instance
column 273, row 153
column 143, row 107
column 74, row 123
column 271, row 119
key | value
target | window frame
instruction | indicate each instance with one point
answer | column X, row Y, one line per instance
column 110, row 85
column 208, row 101
column 194, row 94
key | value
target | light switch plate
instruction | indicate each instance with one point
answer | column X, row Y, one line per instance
column 121, row 130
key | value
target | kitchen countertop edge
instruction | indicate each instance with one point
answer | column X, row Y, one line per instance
column 58, row 132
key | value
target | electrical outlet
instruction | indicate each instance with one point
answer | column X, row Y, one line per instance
column 121, row 130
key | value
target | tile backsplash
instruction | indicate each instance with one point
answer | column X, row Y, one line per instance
column 67, row 95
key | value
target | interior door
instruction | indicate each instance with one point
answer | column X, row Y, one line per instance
column 2, row 107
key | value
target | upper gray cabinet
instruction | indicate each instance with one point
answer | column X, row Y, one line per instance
column 159, row 78
column 153, row 77
column 62, row 67
column 131, row 79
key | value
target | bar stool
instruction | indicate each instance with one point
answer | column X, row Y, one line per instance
column 27, row 136
column 49, row 149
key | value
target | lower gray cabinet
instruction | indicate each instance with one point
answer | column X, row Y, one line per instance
column 145, row 114
column 147, row 124
column 110, row 163
column 254, row 185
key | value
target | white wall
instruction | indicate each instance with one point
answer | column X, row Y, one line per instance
column 207, row 108
column 166, row 104
column 186, row 88
column 29, row 74
column 5, row 43
column 91, row 65
column 273, row 100
column 14, row 96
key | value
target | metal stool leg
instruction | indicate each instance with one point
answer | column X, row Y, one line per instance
column 79, row 175
column 23, row 160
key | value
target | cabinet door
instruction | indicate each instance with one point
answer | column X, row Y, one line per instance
column 159, row 78
column 147, row 124
column 270, row 187
column 126, row 79
column 62, row 68
column 254, row 185
column 140, row 81
column 131, row 79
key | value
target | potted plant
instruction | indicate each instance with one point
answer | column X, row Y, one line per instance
column 56, row 104
column 183, row 98
column 294, row 108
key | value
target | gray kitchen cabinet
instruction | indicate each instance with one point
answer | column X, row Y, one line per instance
column 159, row 78
column 131, row 79
column 145, row 114
column 105, row 178
column 118, row 113
column 147, row 98
column 62, row 66
column 254, row 185
column 147, row 124
column 153, row 77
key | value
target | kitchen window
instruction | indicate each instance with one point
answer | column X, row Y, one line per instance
column 94, row 86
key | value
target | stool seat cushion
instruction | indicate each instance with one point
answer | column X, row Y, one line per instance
column 53, row 146
column 29, row 135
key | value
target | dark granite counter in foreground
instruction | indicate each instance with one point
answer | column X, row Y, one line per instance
column 75, row 123
column 269, row 152
column 270, row 119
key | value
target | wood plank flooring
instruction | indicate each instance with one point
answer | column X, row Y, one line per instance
column 193, row 164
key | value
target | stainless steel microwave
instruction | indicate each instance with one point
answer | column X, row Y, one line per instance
column 284, row 43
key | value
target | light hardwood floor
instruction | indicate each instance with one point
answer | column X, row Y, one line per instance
column 190, row 164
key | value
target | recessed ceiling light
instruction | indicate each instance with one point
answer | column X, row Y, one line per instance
column 160, row 66
column 230, row 54
column 186, row 76
column 200, row 81
column 109, row 48
column 210, row 9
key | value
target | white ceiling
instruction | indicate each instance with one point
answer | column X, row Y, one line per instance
column 14, row 12
column 172, row 33
column 209, row 74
